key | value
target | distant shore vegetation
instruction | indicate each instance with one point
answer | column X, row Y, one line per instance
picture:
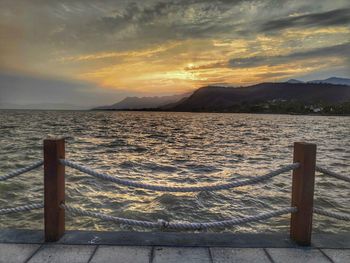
column 269, row 107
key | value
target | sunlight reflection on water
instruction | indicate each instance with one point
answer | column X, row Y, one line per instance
column 173, row 148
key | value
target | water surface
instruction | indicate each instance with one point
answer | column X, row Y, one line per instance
column 172, row 149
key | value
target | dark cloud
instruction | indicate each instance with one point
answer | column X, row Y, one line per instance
column 336, row 17
column 172, row 20
column 144, row 23
column 134, row 25
column 87, row 26
column 337, row 50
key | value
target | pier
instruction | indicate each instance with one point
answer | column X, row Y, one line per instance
column 55, row 244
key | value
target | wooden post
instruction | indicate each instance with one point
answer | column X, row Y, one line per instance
column 54, row 189
column 303, row 193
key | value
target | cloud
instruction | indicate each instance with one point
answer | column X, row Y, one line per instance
column 330, row 51
column 337, row 17
column 167, row 45
column 213, row 65
column 84, row 27
column 137, row 53
column 172, row 20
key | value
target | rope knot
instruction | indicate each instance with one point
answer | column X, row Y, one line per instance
column 162, row 223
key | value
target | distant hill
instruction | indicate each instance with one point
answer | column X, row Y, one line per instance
column 293, row 96
column 333, row 80
column 137, row 103
column 236, row 99
column 294, row 81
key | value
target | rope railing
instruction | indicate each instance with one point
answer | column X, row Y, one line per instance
column 333, row 174
column 22, row 208
column 21, row 170
column 303, row 168
column 162, row 224
column 216, row 187
column 335, row 215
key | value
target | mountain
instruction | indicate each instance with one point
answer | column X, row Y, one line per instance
column 333, row 80
column 235, row 99
column 293, row 96
column 294, row 81
column 137, row 103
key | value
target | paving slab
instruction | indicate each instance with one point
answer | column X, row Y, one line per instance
column 63, row 253
column 130, row 238
column 181, row 254
column 21, row 236
column 16, row 253
column 297, row 255
column 176, row 239
column 122, row 254
column 338, row 255
column 339, row 240
column 242, row 255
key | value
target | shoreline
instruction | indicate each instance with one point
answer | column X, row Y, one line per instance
column 165, row 111
column 220, row 112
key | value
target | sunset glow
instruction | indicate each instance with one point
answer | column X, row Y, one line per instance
column 166, row 47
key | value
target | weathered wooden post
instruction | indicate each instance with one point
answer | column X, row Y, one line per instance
column 54, row 182
column 303, row 193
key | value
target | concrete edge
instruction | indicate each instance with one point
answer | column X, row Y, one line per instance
column 240, row 240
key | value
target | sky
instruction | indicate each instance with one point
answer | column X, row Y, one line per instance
column 88, row 53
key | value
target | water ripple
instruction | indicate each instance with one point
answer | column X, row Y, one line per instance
column 173, row 148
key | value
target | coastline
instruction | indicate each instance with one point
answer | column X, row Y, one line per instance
column 228, row 112
column 172, row 111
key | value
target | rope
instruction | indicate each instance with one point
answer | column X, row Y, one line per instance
column 22, row 208
column 162, row 224
column 216, row 187
column 333, row 174
column 21, row 170
column 332, row 214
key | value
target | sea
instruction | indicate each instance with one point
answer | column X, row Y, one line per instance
column 175, row 149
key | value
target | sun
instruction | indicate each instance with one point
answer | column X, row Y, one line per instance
column 190, row 65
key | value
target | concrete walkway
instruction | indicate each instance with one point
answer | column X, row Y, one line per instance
column 36, row 253
column 152, row 247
